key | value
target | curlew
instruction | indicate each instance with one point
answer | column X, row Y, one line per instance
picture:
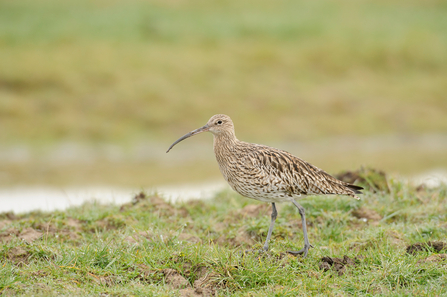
column 268, row 174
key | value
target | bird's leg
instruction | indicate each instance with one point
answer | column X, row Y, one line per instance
column 307, row 245
column 272, row 223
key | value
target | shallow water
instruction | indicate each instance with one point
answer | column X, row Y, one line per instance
column 25, row 198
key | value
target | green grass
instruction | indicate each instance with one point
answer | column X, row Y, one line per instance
column 129, row 72
column 120, row 251
column 125, row 70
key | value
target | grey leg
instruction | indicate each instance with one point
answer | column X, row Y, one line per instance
column 272, row 223
column 307, row 245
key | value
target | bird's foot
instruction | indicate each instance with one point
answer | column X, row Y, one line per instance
column 302, row 251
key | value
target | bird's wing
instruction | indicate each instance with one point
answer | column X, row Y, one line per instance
column 299, row 176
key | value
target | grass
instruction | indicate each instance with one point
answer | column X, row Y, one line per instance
column 153, row 248
column 124, row 70
column 129, row 72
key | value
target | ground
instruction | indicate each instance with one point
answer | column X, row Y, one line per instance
column 391, row 242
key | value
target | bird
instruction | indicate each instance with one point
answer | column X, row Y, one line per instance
column 268, row 174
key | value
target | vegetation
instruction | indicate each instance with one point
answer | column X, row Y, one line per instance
column 124, row 72
column 114, row 71
column 149, row 247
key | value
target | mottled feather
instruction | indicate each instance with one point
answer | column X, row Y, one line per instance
column 269, row 174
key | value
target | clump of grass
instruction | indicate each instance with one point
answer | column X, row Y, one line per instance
column 151, row 247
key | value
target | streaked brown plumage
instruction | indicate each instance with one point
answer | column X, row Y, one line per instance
column 268, row 174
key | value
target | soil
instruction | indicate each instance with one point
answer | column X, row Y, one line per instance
column 138, row 237
column 74, row 223
column 189, row 237
column 254, row 210
column 438, row 246
column 395, row 238
column 8, row 235
column 203, row 286
column 30, row 235
column 18, row 255
column 337, row 264
column 242, row 238
column 174, row 279
column 141, row 200
column 368, row 214
column 9, row 215
column 437, row 258
column 69, row 232
column 4, row 223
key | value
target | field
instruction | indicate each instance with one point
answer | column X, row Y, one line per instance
column 95, row 91
column 389, row 243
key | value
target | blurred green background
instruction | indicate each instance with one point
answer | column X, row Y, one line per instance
column 94, row 92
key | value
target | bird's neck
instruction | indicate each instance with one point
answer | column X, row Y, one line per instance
column 224, row 143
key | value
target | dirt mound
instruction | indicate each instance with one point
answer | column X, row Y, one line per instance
column 438, row 258
column 18, row 255
column 437, row 246
column 155, row 203
column 8, row 235
column 368, row 214
column 30, row 235
column 254, row 210
column 69, row 231
column 203, row 286
column 4, row 223
column 338, row 264
column 174, row 279
column 242, row 238
column 139, row 237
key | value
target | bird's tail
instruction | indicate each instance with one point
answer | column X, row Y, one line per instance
column 355, row 189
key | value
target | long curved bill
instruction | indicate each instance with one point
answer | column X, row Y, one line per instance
column 192, row 133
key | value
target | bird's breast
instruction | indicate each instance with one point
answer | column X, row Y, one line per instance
column 252, row 181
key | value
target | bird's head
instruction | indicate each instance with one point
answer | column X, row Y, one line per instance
column 218, row 124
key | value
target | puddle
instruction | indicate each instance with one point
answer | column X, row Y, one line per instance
column 26, row 198
column 29, row 198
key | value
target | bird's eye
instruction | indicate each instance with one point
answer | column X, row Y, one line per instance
column 219, row 122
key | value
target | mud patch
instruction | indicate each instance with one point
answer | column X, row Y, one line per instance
column 196, row 292
column 29, row 235
column 337, row 264
column 9, row 215
column 189, row 237
column 395, row 238
column 254, row 210
column 107, row 281
column 367, row 215
column 438, row 258
column 9, row 235
column 242, row 238
column 437, row 246
column 112, row 222
column 51, row 230
column 154, row 204
column 139, row 237
column 371, row 179
column 204, row 285
column 18, row 254
column 47, row 228
column 74, row 223
column 174, row 279
column 4, row 224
